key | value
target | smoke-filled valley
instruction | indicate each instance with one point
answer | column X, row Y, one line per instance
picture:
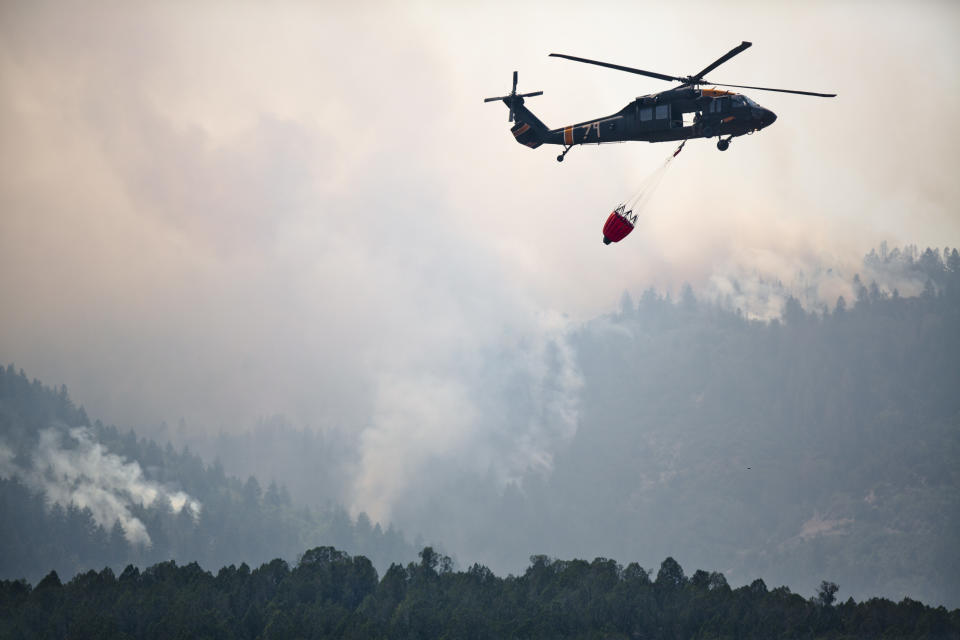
column 819, row 445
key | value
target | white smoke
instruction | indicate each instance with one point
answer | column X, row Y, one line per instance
column 83, row 473
column 762, row 289
column 499, row 412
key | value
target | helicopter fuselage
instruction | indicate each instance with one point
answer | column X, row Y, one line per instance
column 661, row 118
column 658, row 117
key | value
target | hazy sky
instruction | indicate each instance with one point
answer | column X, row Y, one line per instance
column 223, row 211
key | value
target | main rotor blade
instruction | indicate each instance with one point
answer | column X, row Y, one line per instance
column 743, row 86
column 514, row 90
column 743, row 46
column 649, row 74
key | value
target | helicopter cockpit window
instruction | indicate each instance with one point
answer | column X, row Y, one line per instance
column 750, row 102
column 738, row 101
column 646, row 114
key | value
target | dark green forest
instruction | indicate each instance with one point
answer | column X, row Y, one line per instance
column 329, row 594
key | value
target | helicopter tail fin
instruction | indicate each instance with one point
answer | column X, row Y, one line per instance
column 528, row 129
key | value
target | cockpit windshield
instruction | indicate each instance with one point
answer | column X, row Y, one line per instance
column 750, row 102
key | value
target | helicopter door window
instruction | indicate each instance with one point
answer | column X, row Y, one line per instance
column 718, row 105
column 663, row 111
column 646, row 114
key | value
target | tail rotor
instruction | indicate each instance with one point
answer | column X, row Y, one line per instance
column 514, row 98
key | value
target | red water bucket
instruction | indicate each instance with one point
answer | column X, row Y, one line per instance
column 616, row 228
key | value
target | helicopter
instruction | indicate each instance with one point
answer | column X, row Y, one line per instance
column 657, row 117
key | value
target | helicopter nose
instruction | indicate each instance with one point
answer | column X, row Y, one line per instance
column 765, row 116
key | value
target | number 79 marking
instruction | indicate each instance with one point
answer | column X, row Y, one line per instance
column 586, row 130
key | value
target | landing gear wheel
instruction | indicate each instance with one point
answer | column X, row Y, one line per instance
column 723, row 145
column 565, row 151
column 560, row 158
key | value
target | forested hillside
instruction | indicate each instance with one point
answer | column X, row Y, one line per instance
column 824, row 445
column 76, row 495
column 329, row 594
column 314, row 465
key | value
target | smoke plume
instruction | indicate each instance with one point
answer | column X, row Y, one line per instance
column 499, row 414
column 73, row 468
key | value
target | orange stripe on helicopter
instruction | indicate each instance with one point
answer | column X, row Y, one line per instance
column 715, row 93
column 522, row 130
column 568, row 135
column 728, row 119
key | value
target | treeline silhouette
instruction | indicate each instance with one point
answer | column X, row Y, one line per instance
column 329, row 594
